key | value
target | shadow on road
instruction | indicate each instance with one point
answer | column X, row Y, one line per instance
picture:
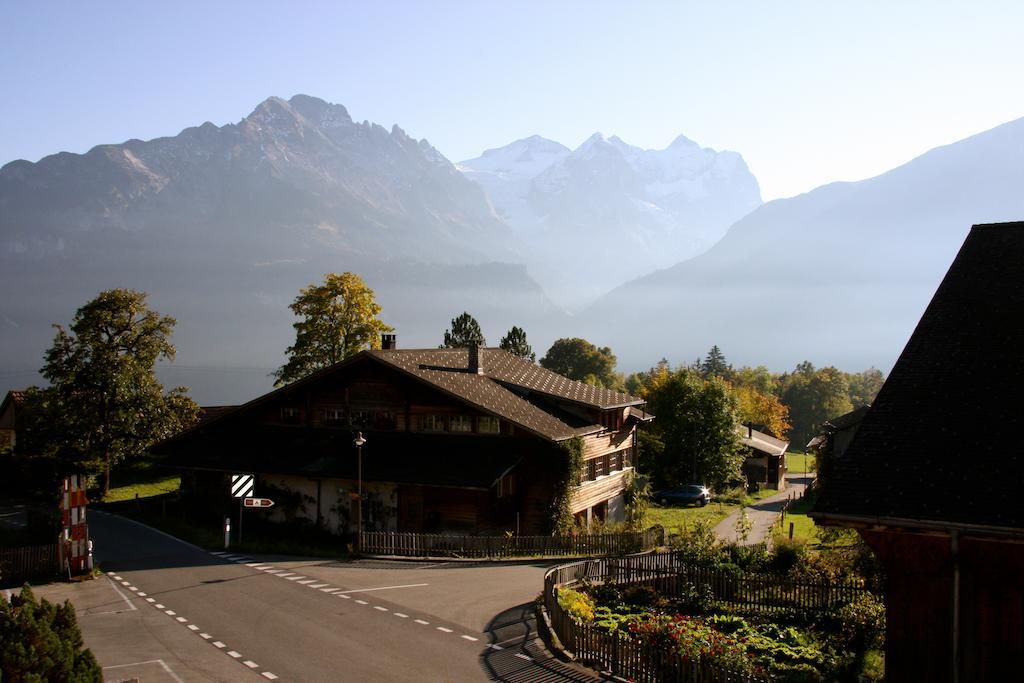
column 522, row 657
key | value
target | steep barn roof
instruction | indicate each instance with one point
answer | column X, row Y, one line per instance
column 941, row 442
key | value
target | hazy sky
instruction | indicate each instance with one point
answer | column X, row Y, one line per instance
column 807, row 92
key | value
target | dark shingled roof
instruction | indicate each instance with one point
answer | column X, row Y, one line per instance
column 507, row 387
column 941, row 442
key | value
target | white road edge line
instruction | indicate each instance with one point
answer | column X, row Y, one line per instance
column 181, row 620
column 362, row 602
column 205, row 636
column 161, row 662
column 123, row 596
column 193, row 627
column 399, row 614
column 386, row 588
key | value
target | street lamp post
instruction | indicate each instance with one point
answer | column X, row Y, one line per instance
column 359, row 441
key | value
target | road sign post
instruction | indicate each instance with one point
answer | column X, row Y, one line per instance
column 242, row 486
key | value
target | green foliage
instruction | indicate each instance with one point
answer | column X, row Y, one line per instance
column 105, row 403
column 743, row 525
column 577, row 605
column 515, row 343
column 813, row 396
column 40, row 641
column 572, row 454
column 699, row 546
column 695, row 640
column 696, row 423
column 465, row 332
column 861, row 624
column 638, row 500
column 715, row 365
column 864, row 386
column 338, row 319
column 580, row 360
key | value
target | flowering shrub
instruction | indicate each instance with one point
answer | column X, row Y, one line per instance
column 577, row 605
column 695, row 640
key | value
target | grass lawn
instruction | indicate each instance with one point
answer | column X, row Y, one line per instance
column 144, row 477
column 803, row 526
column 675, row 518
column 798, row 462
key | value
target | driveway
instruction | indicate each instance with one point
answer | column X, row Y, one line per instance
column 763, row 515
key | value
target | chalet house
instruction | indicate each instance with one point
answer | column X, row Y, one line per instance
column 932, row 478
column 462, row 440
column 835, row 437
column 765, row 464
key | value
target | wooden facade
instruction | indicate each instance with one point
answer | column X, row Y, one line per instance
column 439, row 456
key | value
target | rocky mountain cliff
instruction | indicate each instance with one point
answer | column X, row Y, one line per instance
column 223, row 225
column 606, row 212
column 839, row 275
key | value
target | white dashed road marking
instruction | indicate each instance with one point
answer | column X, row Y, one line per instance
column 399, row 614
column 382, row 609
column 251, row 664
column 234, row 654
column 442, row 628
column 420, row 621
column 387, row 588
column 470, row 638
column 219, row 644
column 362, row 602
column 267, row 674
column 193, row 627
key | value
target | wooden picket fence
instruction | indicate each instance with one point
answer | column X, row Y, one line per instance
column 30, row 561
column 667, row 573
column 501, row 547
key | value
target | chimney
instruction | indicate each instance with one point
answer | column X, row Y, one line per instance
column 476, row 365
column 388, row 342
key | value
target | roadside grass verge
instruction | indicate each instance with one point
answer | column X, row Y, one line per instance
column 144, row 477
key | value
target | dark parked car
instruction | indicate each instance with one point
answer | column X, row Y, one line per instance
column 684, row 495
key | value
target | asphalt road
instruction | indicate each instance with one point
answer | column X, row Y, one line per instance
column 175, row 612
column 763, row 514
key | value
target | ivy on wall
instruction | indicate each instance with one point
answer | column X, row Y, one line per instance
column 565, row 486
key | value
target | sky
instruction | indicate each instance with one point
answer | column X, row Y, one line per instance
column 807, row 92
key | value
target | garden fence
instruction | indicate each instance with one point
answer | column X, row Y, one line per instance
column 499, row 547
column 671, row 576
column 30, row 561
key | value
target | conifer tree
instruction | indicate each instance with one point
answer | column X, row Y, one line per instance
column 465, row 330
column 515, row 342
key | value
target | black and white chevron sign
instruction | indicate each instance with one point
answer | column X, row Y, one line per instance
column 242, row 485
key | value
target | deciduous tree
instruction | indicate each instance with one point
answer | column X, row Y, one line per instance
column 515, row 342
column 338, row 319
column 696, row 425
column 580, row 360
column 104, row 403
column 464, row 332
column 813, row 396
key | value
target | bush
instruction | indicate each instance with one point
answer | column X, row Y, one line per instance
column 642, row 596
column 698, row 545
column 861, row 624
column 695, row 640
column 40, row 641
column 579, row 606
column 786, row 554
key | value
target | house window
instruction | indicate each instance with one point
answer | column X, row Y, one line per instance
column 488, row 425
column 334, row 416
column 384, row 419
column 461, row 423
column 432, row 423
column 290, row 415
column 507, row 486
column 611, row 419
column 360, row 419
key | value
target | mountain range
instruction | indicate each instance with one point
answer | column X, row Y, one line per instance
column 839, row 275
column 224, row 224
column 577, row 212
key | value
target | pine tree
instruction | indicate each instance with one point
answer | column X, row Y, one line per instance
column 715, row 365
column 465, row 330
column 515, row 342
column 41, row 641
